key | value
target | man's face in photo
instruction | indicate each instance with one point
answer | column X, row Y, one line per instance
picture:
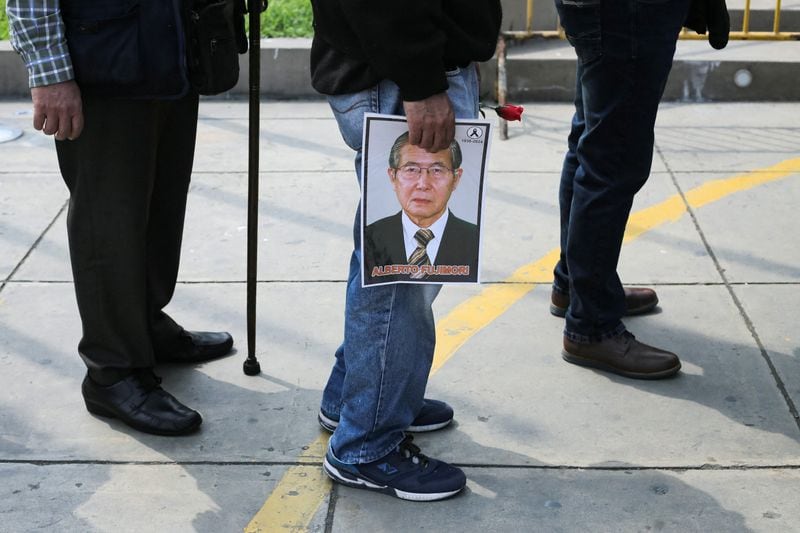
column 423, row 182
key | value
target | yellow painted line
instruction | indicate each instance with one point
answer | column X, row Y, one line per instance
column 303, row 488
column 475, row 313
column 297, row 496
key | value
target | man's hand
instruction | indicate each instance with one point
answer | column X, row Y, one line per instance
column 57, row 109
column 431, row 122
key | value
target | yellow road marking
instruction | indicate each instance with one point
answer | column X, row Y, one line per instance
column 297, row 496
column 300, row 492
column 475, row 313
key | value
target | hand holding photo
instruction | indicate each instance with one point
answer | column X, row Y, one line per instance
column 421, row 211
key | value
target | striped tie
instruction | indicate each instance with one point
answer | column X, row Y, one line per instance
column 420, row 255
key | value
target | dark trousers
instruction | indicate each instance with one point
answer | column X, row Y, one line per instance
column 625, row 50
column 128, row 175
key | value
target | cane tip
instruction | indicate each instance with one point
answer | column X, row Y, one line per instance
column 252, row 367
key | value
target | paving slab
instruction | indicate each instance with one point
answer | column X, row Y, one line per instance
column 751, row 232
column 297, row 213
column 267, row 418
column 733, row 138
column 509, row 500
column 538, row 142
column 773, row 310
column 31, row 153
column 723, row 409
column 134, row 497
column 27, row 208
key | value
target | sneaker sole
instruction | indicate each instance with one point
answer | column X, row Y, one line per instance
column 562, row 313
column 328, row 424
column 591, row 363
column 356, row 482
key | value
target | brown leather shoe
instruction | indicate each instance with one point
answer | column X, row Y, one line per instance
column 623, row 355
column 638, row 300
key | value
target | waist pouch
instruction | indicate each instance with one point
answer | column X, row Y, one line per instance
column 215, row 38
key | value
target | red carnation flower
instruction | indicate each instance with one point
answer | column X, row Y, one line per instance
column 509, row 111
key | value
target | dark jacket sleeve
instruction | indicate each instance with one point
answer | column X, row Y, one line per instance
column 410, row 42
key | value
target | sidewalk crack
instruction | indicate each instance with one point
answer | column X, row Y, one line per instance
column 33, row 246
column 729, row 287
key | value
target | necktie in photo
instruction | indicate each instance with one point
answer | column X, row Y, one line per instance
column 420, row 255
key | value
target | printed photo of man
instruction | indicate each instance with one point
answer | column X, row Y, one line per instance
column 424, row 241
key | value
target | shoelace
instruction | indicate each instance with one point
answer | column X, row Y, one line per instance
column 409, row 450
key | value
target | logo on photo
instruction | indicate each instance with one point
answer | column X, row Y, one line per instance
column 475, row 133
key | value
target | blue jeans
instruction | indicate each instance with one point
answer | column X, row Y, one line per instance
column 625, row 50
column 381, row 370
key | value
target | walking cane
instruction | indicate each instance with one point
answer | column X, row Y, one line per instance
column 254, row 7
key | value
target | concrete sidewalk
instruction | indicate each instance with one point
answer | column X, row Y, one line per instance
column 547, row 446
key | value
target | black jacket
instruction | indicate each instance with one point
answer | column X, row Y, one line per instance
column 127, row 48
column 358, row 43
column 384, row 245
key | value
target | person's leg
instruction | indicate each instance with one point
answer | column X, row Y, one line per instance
column 379, row 377
column 109, row 171
column 377, row 384
column 638, row 300
column 176, row 134
column 625, row 50
column 177, row 129
column 624, row 65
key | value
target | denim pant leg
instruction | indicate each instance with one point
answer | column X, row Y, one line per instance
column 381, row 370
column 625, row 50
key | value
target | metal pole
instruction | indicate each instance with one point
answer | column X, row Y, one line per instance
column 746, row 18
column 251, row 364
column 502, row 82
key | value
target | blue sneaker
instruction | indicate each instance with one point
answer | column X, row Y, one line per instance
column 433, row 415
column 404, row 473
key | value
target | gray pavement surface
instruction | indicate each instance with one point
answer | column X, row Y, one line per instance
column 547, row 446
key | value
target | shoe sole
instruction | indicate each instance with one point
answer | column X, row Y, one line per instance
column 562, row 312
column 591, row 363
column 328, row 424
column 99, row 410
column 356, row 482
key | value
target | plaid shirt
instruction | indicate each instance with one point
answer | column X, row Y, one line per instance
column 37, row 33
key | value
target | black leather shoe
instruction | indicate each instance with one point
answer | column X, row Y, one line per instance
column 197, row 346
column 140, row 402
column 623, row 355
column 638, row 300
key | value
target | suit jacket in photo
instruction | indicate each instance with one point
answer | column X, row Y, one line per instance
column 384, row 245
